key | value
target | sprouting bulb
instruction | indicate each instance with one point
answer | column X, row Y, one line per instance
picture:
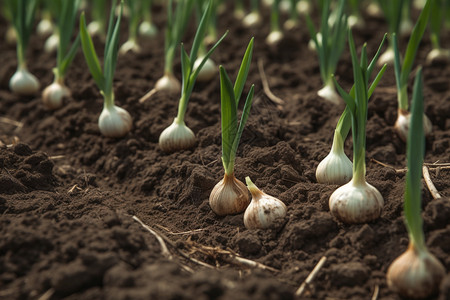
column 229, row 196
column 208, row 71
column 263, row 210
column 54, row 94
column 176, row 137
column 24, row 83
column 168, row 83
column 114, row 121
column 402, row 124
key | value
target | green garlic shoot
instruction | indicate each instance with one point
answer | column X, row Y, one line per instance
column 114, row 121
column 54, row 94
column 329, row 43
column 438, row 13
column 416, row 274
column 136, row 11
column 275, row 35
column 98, row 26
column 392, row 11
column 230, row 195
column 147, row 28
column 357, row 201
column 22, row 13
column 178, row 136
column 254, row 17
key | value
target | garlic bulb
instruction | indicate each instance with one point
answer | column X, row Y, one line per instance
column 303, row 7
column 416, row 274
column 130, row 45
column 356, row 202
column 312, row 44
column 252, row 19
column 328, row 92
column 438, row 55
column 52, row 42
column 208, row 71
column 147, row 29
column 23, row 82
column 274, row 38
column 387, row 57
column 54, row 94
column 263, row 210
column 44, row 27
column 95, row 28
column 176, row 137
column 229, row 196
column 335, row 168
column 114, row 121
column 402, row 124
column 168, row 83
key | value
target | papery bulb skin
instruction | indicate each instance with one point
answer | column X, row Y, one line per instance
column 147, row 29
column 24, row 83
column 356, row 203
column 274, row 38
column 114, row 122
column 54, row 94
column 252, row 19
column 328, row 92
column 208, row 71
column 263, row 209
column 336, row 167
column 51, row 44
column 176, row 137
column 168, row 83
column 438, row 55
column 387, row 57
column 130, row 45
column 402, row 124
column 229, row 196
column 415, row 274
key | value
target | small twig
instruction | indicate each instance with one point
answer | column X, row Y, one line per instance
column 55, row 157
column 11, row 122
column 441, row 166
column 310, row 277
column 164, row 249
column 148, row 95
column 250, row 263
column 426, row 175
column 47, row 295
column 265, row 84
column 375, row 292
column 180, row 233
column 70, row 191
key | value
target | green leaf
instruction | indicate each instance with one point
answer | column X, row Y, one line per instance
column 244, row 117
column 350, row 101
column 397, row 68
column 110, row 59
column 200, row 33
column 376, row 80
column 110, row 27
column 67, row 60
column 90, row 55
column 243, row 71
column 185, row 69
column 228, row 116
column 375, row 58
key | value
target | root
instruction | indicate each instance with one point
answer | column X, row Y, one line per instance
column 305, row 284
column 426, row 175
column 148, row 95
column 266, row 87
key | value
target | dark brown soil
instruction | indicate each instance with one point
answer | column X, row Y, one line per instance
column 67, row 194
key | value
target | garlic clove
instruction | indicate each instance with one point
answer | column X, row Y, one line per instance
column 274, row 38
column 328, row 92
column 415, row 274
column 208, row 71
column 263, row 209
column 402, row 124
column 114, row 122
column 176, row 137
column 54, row 94
column 24, row 83
column 229, row 196
column 336, row 167
column 168, row 83
column 356, row 203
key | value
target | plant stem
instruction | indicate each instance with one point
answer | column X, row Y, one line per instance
column 182, row 106
column 338, row 143
column 402, row 96
column 108, row 99
column 21, row 62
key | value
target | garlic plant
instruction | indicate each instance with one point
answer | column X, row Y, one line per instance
column 392, row 11
column 22, row 13
column 275, row 35
column 175, row 27
column 402, row 74
column 263, row 209
column 97, row 26
column 54, row 94
column 438, row 13
column 114, row 121
column 253, row 18
column 329, row 47
column 230, row 195
column 132, row 44
column 416, row 274
column 178, row 136
column 357, row 201
column 147, row 28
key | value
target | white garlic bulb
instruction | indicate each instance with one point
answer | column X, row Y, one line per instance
column 147, row 29
column 356, row 202
column 416, row 274
column 44, row 27
column 176, row 137
column 274, row 38
column 130, row 45
column 438, row 55
column 252, row 19
column 208, row 71
column 304, row 7
column 336, row 167
column 52, row 42
column 54, row 94
column 229, row 196
column 114, row 121
column 94, row 28
column 24, row 83
column 387, row 57
column 263, row 210
column 328, row 92
column 402, row 124
column 168, row 83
